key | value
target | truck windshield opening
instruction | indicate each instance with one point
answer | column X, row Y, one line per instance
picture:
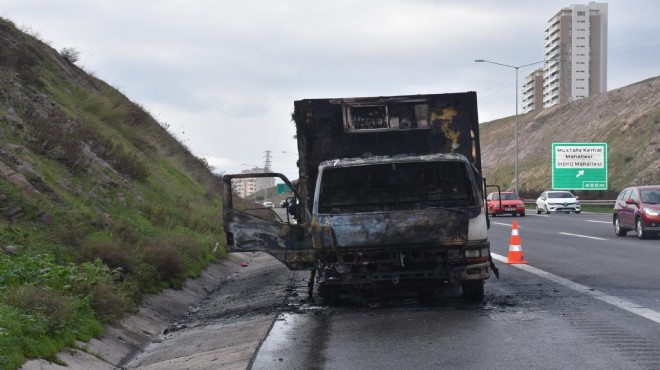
column 395, row 186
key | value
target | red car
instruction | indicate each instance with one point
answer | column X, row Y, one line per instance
column 637, row 209
column 505, row 203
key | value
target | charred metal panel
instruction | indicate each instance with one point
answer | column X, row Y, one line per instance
column 398, row 115
column 429, row 227
column 247, row 233
column 453, row 127
column 292, row 243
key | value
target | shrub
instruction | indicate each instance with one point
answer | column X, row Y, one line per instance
column 137, row 115
column 109, row 301
column 126, row 162
column 70, row 54
column 111, row 253
column 163, row 255
column 78, row 285
column 72, row 233
column 57, row 136
column 53, row 305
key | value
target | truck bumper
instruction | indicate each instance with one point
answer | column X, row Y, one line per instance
column 477, row 271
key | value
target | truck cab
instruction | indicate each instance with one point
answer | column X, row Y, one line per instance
column 389, row 198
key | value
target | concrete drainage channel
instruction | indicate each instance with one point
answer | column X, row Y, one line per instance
column 214, row 322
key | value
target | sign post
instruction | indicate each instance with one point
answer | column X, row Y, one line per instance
column 579, row 166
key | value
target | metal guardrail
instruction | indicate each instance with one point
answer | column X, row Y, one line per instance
column 598, row 202
column 582, row 201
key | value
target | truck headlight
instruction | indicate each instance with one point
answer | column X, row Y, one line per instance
column 477, row 228
column 471, row 253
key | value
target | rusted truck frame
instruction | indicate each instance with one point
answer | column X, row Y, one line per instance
column 390, row 197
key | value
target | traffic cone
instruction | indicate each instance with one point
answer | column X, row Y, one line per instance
column 515, row 248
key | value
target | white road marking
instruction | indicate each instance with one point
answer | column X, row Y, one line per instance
column 583, row 236
column 503, row 224
column 623, row 304
column 602, row 222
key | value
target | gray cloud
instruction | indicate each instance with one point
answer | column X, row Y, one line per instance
column 224, row 74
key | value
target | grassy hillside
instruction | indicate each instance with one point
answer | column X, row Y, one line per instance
column 99, row 202
column 627, row 119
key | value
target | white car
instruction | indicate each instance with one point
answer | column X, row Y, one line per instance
column 557, row 201
column 269, row 205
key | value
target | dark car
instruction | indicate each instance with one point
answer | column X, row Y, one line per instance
column 637, row 209
column 501, row 203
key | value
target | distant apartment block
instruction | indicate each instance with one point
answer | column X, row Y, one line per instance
column 248, row 186
column 576, row 55
column 532, row 91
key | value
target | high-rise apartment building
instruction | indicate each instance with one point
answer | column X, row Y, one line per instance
column 532, row 91
column 575, row 54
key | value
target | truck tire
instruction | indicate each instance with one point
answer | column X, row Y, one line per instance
column 426, row 296
column 473, row 291
column 329, row 294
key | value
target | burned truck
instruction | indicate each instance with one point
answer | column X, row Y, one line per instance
column 389, row 198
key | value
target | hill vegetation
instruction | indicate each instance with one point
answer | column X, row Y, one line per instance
column 99, row 203
column 627, row 119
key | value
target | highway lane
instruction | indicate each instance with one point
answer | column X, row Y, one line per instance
column 584, row 249
column 526, row 321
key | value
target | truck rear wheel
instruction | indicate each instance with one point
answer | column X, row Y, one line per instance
column 426, row 296
column 473, row 291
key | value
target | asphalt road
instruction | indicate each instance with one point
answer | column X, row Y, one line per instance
column 584, row 249
column 587, row 300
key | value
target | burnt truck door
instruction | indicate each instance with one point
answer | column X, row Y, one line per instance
column 287, row 234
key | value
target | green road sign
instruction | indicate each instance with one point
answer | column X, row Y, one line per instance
column 283, row 188
column 579, row 166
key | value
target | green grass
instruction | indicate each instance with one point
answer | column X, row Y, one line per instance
column 46, row 305
column 91, row 239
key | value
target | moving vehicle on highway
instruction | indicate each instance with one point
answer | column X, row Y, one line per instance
column 269, row 205
column 637, row 209
column 500, row 203
column 557, row 201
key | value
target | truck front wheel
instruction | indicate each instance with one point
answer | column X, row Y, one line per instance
column 329, row 294
column 473, row 291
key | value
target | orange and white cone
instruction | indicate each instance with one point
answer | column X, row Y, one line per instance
column 515, row 247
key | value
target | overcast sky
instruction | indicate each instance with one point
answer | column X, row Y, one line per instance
column 224, row 74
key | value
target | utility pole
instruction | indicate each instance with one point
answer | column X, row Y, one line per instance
column 267, row 161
